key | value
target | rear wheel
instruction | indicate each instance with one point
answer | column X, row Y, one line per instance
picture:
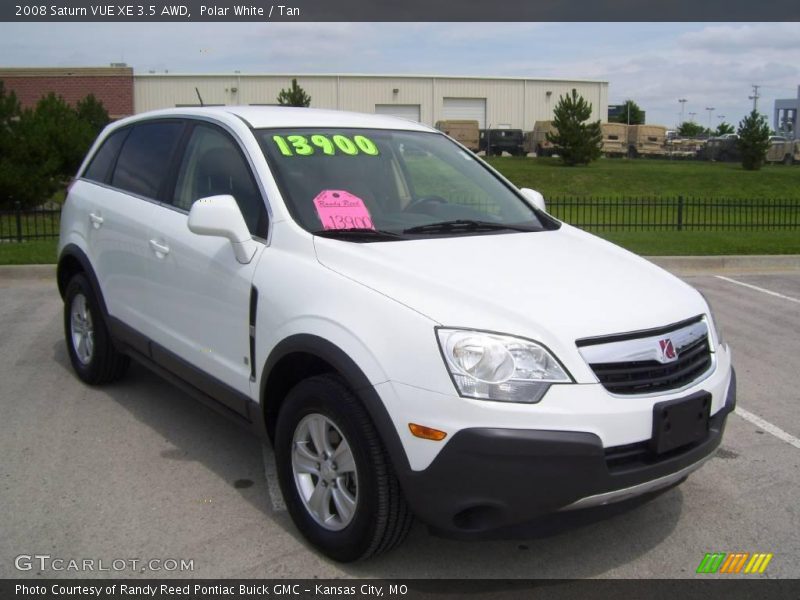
column 336, row 477
column 89, row 344
column 787, row 160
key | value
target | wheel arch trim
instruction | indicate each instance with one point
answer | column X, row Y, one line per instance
column 72, row 251
column 355, row 378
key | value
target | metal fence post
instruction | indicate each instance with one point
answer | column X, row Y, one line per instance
column 680, row 213
column 18, row 204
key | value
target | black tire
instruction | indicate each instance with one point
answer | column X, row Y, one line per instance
column 104, row 363
column 787, row 160
column 381, row 519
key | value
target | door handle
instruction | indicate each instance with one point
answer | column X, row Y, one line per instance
column 158, row 248
column 96, row 220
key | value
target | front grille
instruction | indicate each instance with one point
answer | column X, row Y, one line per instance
column 648, row 376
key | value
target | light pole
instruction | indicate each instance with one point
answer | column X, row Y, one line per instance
column 683, row 105
column 710, row 109
column 692, row 115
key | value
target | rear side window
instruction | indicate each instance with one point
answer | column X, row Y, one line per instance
column 144, row 161
column 102, row 162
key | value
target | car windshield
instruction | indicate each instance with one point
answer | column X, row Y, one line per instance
column 374, row 185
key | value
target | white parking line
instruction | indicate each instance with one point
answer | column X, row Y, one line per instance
column 271, row 475
column 758, row 289
column 768, row 427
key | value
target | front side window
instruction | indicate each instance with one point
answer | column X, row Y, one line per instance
column 144, row 161
column 214, row 165
column 403, row 183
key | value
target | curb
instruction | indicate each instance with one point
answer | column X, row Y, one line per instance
column 731, row 263
column 27, row 272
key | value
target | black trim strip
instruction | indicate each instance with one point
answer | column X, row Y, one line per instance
column 185, row 375
column 632, row 335
column 253, row 313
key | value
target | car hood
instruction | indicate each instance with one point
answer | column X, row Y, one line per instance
column 553, row 286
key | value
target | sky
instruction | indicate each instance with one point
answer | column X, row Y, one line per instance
column 711, row 65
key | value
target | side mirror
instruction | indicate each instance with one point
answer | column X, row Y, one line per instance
column 220, row 216
column 534, row 198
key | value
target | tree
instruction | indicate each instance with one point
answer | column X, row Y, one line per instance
column 690, row 129
column 41, row 148
column 724, row 129
column 630, row 114
column 92, row 111
column 294, row 96
column 753, row 140
column 576, row 141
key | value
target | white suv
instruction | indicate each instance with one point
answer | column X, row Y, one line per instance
column 412, row 333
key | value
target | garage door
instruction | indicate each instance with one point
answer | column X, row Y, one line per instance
column 404, row 111
column 473, row 109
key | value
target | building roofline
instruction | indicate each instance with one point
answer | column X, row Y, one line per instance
column 65, row 71
column 374, row 75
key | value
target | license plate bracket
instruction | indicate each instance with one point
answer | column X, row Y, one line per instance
column 680, row 422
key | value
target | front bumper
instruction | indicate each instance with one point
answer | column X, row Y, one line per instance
column 487, row 478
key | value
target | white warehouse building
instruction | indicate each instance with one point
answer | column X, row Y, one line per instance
column 495, row 102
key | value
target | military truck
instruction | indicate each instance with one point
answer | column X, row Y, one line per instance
column 722, row 149
column 536, row 140
column 687, row 148
column 646, row 140
column 464, row 131
column 496, row 141
column 615, row 139
column 783, row 151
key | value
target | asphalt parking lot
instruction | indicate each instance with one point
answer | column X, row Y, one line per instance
column 139, row 470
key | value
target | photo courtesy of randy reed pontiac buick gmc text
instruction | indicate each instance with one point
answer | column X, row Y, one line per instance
column 415, row 336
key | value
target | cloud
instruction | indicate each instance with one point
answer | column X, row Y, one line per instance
column 744, row 39
column 653, row 63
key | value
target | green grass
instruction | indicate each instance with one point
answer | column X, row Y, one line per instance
column 700, row 243
column 618, row 178
column 40, row 223
column 28, row 253
column 606, row 178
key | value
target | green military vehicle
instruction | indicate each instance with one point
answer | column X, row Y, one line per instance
column 496, row 141
column 721, row 149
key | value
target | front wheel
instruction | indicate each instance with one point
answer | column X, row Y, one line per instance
column 335, row 475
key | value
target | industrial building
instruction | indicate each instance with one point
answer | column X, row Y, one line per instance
column 786, row 114
column 113, row 85
column 495, row 102
column 513, row 102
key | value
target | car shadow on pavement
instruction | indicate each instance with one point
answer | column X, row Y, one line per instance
column 566, row 545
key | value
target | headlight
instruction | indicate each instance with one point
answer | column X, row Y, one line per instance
column 489, row 366
column 713, row 320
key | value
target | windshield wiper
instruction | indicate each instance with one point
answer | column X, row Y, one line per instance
column 464, row 225
column 359, row 232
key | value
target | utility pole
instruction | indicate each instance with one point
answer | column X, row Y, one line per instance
column 683, row 105
column 755, row 97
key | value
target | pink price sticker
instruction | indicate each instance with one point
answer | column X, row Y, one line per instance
column 338, row 209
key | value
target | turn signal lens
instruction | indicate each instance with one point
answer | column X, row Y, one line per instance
column 427, row 433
